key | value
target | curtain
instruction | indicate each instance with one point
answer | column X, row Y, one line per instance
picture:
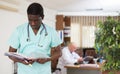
column 83, row 29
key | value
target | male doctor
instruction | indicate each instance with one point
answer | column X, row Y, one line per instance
column 35, row 40
column 69, row 56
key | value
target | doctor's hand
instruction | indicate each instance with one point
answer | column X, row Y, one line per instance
column 28, row 61
column 80, row 59
column 42, row 60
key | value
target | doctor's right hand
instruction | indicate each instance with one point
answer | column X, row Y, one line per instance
column 27, row 62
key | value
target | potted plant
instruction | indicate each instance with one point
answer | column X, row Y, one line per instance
column 107, row 42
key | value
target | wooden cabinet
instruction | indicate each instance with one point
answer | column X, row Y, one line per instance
column 59, row 22
column 67, row 21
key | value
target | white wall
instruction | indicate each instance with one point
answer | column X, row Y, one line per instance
column 8, row 22
column 49, row 18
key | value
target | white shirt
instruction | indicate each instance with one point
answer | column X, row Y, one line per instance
column 66, row 59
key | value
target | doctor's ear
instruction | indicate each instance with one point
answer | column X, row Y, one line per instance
column 41, row 18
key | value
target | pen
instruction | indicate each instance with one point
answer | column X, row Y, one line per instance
column 28, row 64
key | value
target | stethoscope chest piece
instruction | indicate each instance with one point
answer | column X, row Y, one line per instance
column 28, row 39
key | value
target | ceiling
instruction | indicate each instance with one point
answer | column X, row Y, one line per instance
column 81, row 5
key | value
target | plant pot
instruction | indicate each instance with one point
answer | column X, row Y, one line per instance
column 107, row 72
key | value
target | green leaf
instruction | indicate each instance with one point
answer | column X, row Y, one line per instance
column 108, row 39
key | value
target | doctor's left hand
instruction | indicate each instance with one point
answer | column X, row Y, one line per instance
column 42, row 60
column 28, row 61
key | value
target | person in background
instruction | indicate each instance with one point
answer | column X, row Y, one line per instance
column 69, row 56
column 36, row 40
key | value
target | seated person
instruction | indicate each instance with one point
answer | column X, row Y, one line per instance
column 69, row 56
column 89, row 59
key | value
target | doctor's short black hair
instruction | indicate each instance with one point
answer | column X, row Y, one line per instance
column 35, row 9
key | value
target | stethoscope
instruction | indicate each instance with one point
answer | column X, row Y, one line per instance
column 46, row 33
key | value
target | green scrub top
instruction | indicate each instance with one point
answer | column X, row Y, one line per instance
column 39, row 45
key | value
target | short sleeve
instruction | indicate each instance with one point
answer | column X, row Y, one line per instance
column 55, row 38
column 14, row 40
